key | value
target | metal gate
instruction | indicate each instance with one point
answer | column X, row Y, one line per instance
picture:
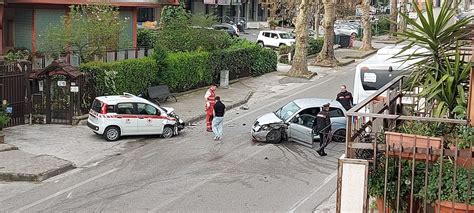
column 60, row 100
column 14, row 89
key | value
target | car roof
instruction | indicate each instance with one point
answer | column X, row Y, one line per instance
column 272, row 31
column 126, row 98
column 316, row 102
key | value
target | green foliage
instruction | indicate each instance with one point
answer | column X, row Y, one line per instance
column 88, row 30
column 315, row 45
column 16, row 55
column 111, row 78
column 425, row 128
column 192, row 33
column 146, row 38
column 461, row 189
column 243, row 59
column 437, row 34
column 171, row 13
column 382, row 26
column 187, row 70
column 4, row 116
column 376, row 182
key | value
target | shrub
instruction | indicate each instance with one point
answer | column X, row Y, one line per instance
column 382, row 26
column 315, row 45
column 111, row 78
column 146, row 38
column 243, row 59
column 187, row 70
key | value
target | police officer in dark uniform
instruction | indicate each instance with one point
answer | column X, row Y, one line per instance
column 345, row 98
column 323, row 124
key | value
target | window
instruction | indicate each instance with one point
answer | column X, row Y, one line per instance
column 274, row 36
column 335, row 112
column 376, row 79
column 145, row 109
column 287, row 111
column 307, row 120
column 125, row 108
column 110, row 108
column 285, row 36
column 96, row 106
column 266, row 35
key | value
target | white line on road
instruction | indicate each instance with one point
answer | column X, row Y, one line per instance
column 64, row 191
column 304, row 199
column 266, row 105
column 201, row 183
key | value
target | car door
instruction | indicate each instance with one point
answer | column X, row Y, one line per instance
column 126, row 118
column 150, row 121
column 338, row 118
column 274, row 41
column 300, row 129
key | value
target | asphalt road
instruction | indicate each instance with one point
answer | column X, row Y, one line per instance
column 193, row 173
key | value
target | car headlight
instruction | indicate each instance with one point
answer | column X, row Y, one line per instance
column 266, row 128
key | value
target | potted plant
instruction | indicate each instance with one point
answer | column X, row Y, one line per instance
column 4, row 119
column 416, row 134
column 376, row 184
column 452, row 195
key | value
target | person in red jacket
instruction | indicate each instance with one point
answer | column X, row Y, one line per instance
column 210, row 98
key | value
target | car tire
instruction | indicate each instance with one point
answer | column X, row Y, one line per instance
column 112, row 133
column 282, row 45
column 339, row 136
column 274, row 136
column 260, row 43
column 168, row 132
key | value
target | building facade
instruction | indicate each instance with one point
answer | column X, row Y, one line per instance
column 22, row 22
column 229, row 10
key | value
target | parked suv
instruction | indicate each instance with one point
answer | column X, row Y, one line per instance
column 275, row 39
column 120, row 115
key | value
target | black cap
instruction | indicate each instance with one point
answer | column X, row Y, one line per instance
column 326, row 105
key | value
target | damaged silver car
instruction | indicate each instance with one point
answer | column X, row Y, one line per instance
column 295, row 122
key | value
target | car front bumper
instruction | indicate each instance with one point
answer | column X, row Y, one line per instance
column 260, row 136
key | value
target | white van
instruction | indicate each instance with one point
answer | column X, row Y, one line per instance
column 378, row 70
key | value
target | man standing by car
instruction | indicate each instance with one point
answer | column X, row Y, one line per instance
column 345, row 98
column 323, row 124
column 209, row 108
column 218, row 121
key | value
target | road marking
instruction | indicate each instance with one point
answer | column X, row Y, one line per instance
column 64, row 191
column 304, row 199
column 262, row 107
column 202, row 183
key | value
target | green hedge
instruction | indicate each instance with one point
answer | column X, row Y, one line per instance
column 146, row 38
column 187, row 70
column 110, row 78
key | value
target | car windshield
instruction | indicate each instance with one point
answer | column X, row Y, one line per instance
column 287, row 111
column 285, row 36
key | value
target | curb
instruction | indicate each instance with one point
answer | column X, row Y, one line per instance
column 37, row 177
column 389, row 42
column 369, row 53
column 7, row 147
column 203, row 115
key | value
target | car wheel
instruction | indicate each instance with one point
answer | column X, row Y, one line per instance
column 260, row 44
column 354, row 34
column 339, row 136
column 167, row 132
column 112, row 133
column 274, row 136
column 282, row 45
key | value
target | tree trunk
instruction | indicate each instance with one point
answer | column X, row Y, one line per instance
column 317, row 19
column 326, row 56
column 367, row 38
column 403, row 23
column 393, row 18
column 299, row 66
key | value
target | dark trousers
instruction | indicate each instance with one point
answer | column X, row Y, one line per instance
column 323, row 140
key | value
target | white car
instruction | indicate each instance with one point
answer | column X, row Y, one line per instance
column 120, row 115
column 295, row 122
column 275, row 39
column 345, row 30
